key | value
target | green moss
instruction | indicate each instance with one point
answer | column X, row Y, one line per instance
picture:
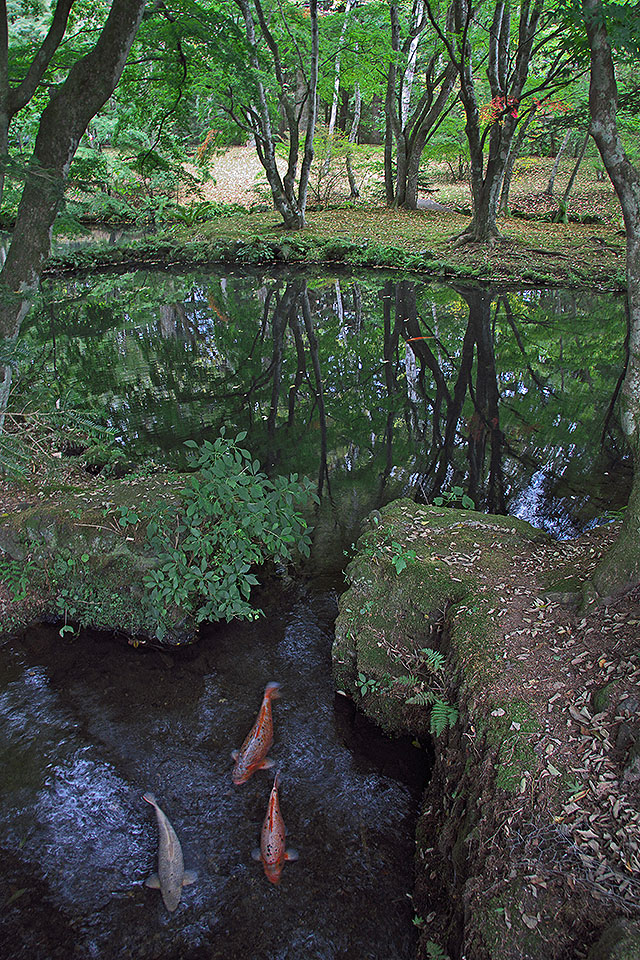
column 509, row 734
column 411, row 241
column 601, row 698
column 404, row 595
column 532, row 938
column 620, row 941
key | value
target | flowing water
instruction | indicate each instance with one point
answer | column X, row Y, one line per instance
column 376, row 388
column 88, row 725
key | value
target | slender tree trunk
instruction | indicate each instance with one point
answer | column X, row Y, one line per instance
column 514, row 153
column 290, row 206
column 4, row 94
column 307, row 158
column 556, row 164
column 410, row 71
column 423, row 124
column 507, row 72
column 389, row 109
column 561, row 216
column 336, row 90
column 620, row 569
column 353, row 138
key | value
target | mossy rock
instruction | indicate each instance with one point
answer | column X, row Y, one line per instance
column 413, row 585
column 620, row 941
column 601, row 698
column 87, row 568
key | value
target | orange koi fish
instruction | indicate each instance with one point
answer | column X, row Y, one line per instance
column 272, row 851
column 252, row 755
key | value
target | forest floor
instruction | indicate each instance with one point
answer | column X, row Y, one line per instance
column 532, row 247
column 568, row 825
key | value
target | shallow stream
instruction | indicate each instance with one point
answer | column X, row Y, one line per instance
column 88, row 725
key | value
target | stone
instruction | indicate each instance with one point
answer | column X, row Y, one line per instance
column 619, row 941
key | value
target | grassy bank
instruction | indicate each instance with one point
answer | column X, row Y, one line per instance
column 421, row 242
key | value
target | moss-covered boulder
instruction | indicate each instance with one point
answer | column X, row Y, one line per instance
column 85, row 554
column 413, row 588
column 620, row 941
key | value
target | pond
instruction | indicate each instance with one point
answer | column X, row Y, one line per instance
column 376, row 388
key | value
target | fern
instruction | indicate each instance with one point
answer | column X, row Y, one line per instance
column 443, row 715
column 435, row 952
column 14, row 457
column 434, row 659
column 422, row 698
column 409, row 681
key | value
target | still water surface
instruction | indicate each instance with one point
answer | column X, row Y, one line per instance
column 375, row 387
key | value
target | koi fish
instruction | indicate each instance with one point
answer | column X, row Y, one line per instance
column 171, row 876
column 272, row 851
column 252, row 755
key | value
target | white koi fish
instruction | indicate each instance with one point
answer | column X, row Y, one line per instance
column 171, row 876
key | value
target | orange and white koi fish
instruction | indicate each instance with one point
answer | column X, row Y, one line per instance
column 252, row 755
column 272, row 851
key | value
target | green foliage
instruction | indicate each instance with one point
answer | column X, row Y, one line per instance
column 233, row 517
column 427, row 689
column 328, row 171
column 435, row 952
column 368, row 684
column 455, row 497
column 401, row 557
column 17, row 577
column 30, row 439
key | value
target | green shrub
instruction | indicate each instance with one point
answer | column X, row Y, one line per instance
column 233, row 518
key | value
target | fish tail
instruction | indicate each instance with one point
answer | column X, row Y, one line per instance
column 272, row 690
column 150, row 798
column 276, row 780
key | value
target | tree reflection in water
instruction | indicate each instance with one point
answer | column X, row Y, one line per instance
column 375, row 387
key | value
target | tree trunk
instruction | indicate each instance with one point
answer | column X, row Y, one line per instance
column 307, row 158
column 507, row 73
column 353, row 138
column 514, row 153
column 620, row 569
column 4, row 94
column 410, row 71
column 88, row 86
column 556, row 164
column 389, row 109
column 561, row 215
column 290, row 206
column 336, row 91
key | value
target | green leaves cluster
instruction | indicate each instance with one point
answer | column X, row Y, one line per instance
column 443, row 714
column 454, row 497
column 233, row 517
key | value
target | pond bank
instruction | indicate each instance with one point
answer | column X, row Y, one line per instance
column 420, row 242
column 527, row 843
